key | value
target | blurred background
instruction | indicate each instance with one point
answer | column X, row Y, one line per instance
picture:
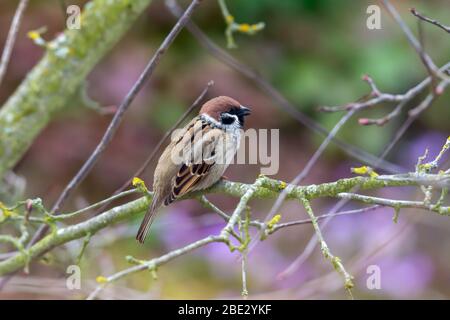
column 314, row 52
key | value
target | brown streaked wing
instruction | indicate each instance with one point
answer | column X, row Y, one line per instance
column 189, row 175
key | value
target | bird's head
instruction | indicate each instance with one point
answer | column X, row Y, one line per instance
column 226, row 111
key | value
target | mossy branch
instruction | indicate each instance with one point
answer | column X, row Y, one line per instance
column 264, row 188
column 58, row 76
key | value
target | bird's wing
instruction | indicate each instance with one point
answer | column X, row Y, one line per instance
column 202, row 140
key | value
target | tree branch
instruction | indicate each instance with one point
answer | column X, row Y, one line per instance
column 47, row 88
column 303, row 173
column 118, row 116
column 279, row 99
column 335, row 261
column 432, row 21
column 426, row 59
column 266, row 188
column 11, row 39
column 155, row 150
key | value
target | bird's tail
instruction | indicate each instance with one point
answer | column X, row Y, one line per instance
column 148, row 219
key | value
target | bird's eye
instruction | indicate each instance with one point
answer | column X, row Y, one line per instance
column 228, row 119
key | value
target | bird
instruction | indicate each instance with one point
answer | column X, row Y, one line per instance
column 197, row 155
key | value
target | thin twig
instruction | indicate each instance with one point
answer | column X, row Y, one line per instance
column 422, row 55
column 385, row 97
column 398, row 135
column 115, row 122
column 242, row 205
column 208, row 204
column 244, row 275
column 335, row 261
column 396, row 204
column 309, row 248
column 321, row 217
column 413, row 115
column 11, row 39
column 154, row 263
column 117, row 119
column 383, row 120
column 428, row 62
column 432, row 21
column 63, row 216
column 280, row 100
column 302, row 174
column 278, row 226
column 155, row 150
column 232, row 26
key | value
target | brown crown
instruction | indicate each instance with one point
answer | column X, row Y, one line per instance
column 216, row 106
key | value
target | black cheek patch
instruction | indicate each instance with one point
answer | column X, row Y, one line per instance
column 227, row 119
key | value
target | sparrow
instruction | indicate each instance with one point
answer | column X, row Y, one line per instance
column 197, row 156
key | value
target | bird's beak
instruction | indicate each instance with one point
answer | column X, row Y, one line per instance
column 244, row 111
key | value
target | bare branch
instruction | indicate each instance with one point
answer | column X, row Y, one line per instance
column 428, row 62
column 279, row 226
column 11, row 39
column 396, row 204
column 155, row 150
column 280, row 100
column 232, row 26
column 244, row 275
column 43, row 94
column 313, row 241
column 384, row 97
column 335, row 261
column 432, row 21
column 117, row 119
column 262, row 188
column 402, row 99
column 303, row 173
column 153, row 264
